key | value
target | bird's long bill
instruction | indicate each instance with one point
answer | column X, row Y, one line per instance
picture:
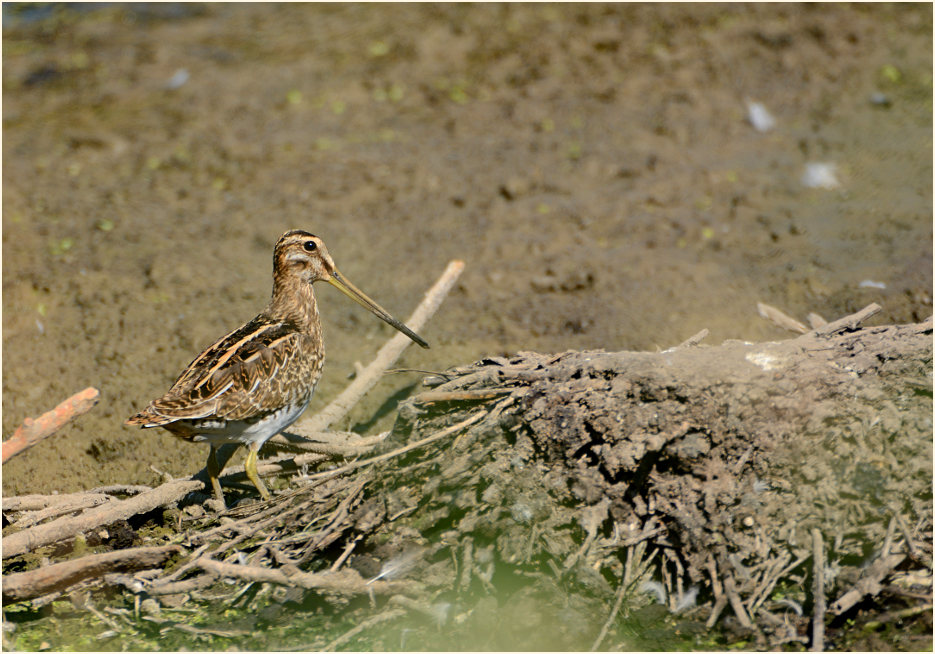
column 340, row 282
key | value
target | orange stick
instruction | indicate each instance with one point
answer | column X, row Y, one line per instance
column 33, row 431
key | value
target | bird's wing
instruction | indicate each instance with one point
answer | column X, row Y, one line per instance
column 245, row 374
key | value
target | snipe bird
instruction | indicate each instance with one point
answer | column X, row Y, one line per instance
column 256, row 381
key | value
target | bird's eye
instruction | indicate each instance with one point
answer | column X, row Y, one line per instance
column 310, row 246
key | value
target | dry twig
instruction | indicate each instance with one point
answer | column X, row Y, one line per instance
column 33, row 431
column 849, row 322
column 869, row 583
column 610, row 618
column 692, row 341
column 51, row 532
column 781, row 319
column 386, row 616
column 347, row 581
column 818, row 619
column 20, row 586
column 327, row 474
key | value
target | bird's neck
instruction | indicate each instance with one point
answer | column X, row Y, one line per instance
column 294, row 301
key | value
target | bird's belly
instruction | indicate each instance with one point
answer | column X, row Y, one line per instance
column 219, row 432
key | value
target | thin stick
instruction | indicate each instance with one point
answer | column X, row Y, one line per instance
column 869, row 582
column 385, row 358
column 467, row 567
column 346, row 553
column 40, row 502
column 448, row 431
column 346, row 581
column 340, row 443
column 730, row 589
column 816, row 320
column 849, row 322
column 818, row 618
column 431, row 397
column 781, row 319
column 613, row 614
column 20, row 586
column 903, row 527
column 33, row 431
column 391, row 614
column 692, row 341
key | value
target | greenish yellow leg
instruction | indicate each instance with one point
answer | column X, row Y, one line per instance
column 214, row 472
column 250, row 468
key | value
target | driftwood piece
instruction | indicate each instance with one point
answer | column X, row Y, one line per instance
column 51, row 532
column 21, row 586
column 33, row 431
column 75, row 502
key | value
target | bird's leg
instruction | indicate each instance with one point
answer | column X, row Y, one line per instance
column 214, row 471
column 249, row 467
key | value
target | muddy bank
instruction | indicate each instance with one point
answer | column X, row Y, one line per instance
column 593, row 164
column 781, row 491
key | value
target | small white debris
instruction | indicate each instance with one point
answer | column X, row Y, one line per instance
column 40, row 326
column 763, row 360
column 759, row 117
column 820, row 175
column 178, row 79
column 399, row 565
column 792, row 604
column 440, row 612
column 687, row 600
column 869, row 283
column 880, row 100
column 521, row 513
column 655, row 589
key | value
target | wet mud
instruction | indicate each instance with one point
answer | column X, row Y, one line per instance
column 592, row 164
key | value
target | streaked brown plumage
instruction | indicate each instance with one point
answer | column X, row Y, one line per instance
column 256, row 381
